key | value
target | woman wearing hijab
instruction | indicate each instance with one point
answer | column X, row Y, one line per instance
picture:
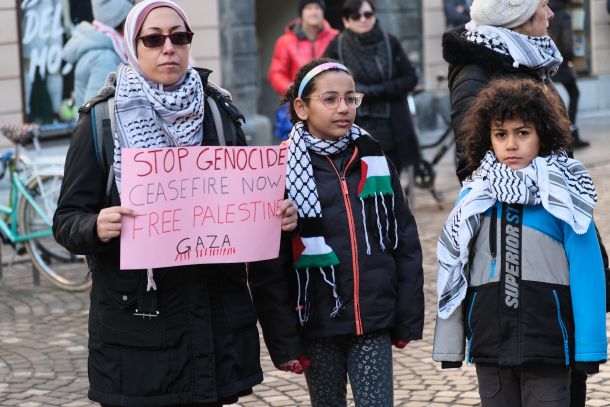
column 184, row 336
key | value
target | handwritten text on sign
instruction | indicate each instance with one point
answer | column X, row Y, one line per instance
column 201, row 205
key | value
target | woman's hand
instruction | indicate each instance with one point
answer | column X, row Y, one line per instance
column 288, row 212
column 109, row 222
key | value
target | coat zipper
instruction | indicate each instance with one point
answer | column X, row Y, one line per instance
column 492, row 240
column 352, row 236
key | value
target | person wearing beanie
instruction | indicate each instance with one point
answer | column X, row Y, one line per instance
column 503, row 38
column 303, row 3
column 305, row 39
column 96, row 49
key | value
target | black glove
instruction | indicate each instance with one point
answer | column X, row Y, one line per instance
column 587, row 367
column 451, row 365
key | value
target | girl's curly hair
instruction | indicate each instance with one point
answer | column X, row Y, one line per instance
column 522, row 99
column 291, row 93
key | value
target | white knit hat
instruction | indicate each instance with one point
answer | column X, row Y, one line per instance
column 111, row 12
column 503, row 13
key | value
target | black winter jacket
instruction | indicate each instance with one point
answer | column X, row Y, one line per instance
column 396, row 134
column 384, row 291
column 471, row 68
column 201, row 347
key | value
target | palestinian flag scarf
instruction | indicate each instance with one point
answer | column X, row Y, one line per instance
column 310, row 250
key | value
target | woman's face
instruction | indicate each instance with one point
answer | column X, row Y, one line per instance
column 166, row 64
column 537, row 26
column 362, row 22
column 324, row 122
column 515, row 143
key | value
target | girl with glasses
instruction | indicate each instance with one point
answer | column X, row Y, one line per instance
column 182, row 336
column 349, row 283
column 383, row 72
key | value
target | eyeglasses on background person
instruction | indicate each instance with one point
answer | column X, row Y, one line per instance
column 332, row 100
column 158, row 40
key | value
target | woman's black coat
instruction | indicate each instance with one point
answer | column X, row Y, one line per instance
column 202, row 347
column 400, row 143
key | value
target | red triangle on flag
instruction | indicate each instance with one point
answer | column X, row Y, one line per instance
column 298, row 247
column 364, row 168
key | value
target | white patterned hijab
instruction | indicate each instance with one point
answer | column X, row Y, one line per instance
column 135, row 20
column 148, row 114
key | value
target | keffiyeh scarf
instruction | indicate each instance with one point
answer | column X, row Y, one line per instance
column 149, row 117
column 310, row 249
column 561, row 184
column 537, row 53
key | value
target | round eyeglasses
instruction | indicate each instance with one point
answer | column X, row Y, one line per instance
column 332, row 100
column 158, row 40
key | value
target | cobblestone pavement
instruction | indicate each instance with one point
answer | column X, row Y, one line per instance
column 43, row 330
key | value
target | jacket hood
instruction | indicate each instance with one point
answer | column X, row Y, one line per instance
column 294, row 28
column 85, row 38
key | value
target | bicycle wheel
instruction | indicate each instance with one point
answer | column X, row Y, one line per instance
column 62, row 268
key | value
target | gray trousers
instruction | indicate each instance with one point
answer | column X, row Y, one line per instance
column 524, row 386
column 366, row 359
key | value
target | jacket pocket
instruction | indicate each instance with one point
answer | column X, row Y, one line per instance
column 470, row 332
column 562, row 326
column 116, row 295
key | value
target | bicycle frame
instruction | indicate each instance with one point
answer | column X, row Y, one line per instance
column 11, row 230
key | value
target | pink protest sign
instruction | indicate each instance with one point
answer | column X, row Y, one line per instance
column 198, row 205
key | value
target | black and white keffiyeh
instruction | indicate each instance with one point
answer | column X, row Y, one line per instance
column 300, row 182
column 538, row 53
column 146, row 116
column 561, row 184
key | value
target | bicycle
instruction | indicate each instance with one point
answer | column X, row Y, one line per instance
column 423, row 175
column 25, row 222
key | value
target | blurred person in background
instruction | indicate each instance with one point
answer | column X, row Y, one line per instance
column 305, row 39
column 560, row 29
column 383, row 72
column 96, row 49
column 457, row 12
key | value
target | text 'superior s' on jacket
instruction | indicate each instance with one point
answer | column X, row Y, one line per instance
column 540, row 299
column 383, row 290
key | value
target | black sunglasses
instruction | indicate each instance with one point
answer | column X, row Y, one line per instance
column 158, row 40
column 357, row 16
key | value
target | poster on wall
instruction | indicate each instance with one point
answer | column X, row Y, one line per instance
column 47, row 81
